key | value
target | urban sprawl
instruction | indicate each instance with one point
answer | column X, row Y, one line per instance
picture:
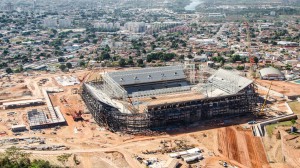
column 150, row 83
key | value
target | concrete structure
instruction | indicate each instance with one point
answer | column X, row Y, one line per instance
column 171, row 163
column 53, row 117
column 288, row 44
column 40, row 119
column 135, row 27
column 65, row 23
column 216, row 15
column 155, row 98
column 67, row 80
column 50, row 23
column 107, row 26
column 18, row 128
column 271, row 74
column 22, row 103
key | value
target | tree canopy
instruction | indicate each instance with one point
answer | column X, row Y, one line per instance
column 160, row 56
column 16, row 158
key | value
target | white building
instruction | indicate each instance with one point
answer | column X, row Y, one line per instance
column 65, row 23
column 107, row 26
column 50, row 22
column 271, row 74
column 135, row 27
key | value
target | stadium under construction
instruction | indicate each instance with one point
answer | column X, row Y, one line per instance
column 159, row 97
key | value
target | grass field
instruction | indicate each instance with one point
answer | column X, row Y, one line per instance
column 270, row 128
column 295, row 106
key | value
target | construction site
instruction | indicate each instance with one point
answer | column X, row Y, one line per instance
column 161, row 97
column 182, row 117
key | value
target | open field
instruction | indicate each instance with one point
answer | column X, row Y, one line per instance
column 286, row 88
column 295, row 106
column 270, row 128
column 282, row 148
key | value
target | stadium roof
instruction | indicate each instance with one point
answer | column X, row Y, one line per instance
column 229, row 81
column 147, row 75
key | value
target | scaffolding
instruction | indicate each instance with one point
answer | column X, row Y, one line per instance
column 161, row 116
column 204, row 72
column 230, row 94
column 112, row 88
column 190, row 69
column 157, row 92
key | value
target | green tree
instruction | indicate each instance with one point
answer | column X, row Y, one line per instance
column 144, row 51
column 19, row 69
column 105, row 56
column 107, row 48
column 15, row 154
column 69, row 65
column 62, row 67
column 288, row 67
column 293, row 121
column 235, row 58
column 218, row 59
column 61, row 59
column 41, row 164
column 64, row 158
column 240, row 68
column 82, row 63
column 5, row 52
column 256, row 60
column 122, row 62
column 190, row 56
column 9, row 70
column 140, row 62
column 130, row 61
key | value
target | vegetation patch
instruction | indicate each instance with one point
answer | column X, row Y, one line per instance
column 295, row 106
column 270, row 128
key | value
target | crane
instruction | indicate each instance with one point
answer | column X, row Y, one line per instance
column 251, row 58
column 265, row 101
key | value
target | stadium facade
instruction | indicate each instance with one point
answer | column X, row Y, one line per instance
column 159, row 97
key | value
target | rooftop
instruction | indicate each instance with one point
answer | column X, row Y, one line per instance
column 270, row 71
column 148, row 75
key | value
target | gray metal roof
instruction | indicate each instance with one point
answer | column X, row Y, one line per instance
column 229, row 81
column 270, row 71
column 147, row 75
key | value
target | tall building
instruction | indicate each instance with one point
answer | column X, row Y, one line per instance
column 9, row 7
column 65, row 23
column 34, row 5
column 50, row 23
column 135, row 27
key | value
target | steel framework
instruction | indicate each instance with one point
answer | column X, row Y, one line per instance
column 161, row 116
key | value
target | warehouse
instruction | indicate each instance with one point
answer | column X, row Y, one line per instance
column 23, row 103
column 271, row 74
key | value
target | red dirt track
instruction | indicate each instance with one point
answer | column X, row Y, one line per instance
column 241, row 146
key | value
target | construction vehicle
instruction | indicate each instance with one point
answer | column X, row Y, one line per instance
column 63, row 100
column 261, row 112
column 76, row 114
